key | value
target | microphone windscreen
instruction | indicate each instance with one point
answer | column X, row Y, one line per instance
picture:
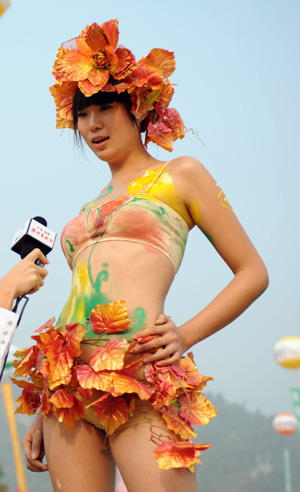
column 41, row 220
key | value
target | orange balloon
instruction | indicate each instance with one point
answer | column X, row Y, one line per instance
column 285, row 423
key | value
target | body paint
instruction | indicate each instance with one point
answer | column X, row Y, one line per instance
column 102, row 275
column 89, row 205
column 83, row 298
column 209, row 237
column 223, row 200
column 148, row 207
column 139, row 318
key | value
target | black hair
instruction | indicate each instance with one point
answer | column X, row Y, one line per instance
column 81, row 102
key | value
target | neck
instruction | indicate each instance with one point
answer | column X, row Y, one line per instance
column 135, row 161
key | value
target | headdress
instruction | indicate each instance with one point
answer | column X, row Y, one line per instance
column 94, row 62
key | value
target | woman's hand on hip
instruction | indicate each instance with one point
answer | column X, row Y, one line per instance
column 168, row 343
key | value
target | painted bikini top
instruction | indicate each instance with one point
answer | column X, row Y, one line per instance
column 138, row 216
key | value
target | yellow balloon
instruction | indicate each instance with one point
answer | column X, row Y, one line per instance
column 4, row 4
column 287, row 352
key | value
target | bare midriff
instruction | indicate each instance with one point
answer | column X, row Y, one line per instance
column 118, row 271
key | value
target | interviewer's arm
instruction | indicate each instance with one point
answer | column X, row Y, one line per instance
column 24, row 278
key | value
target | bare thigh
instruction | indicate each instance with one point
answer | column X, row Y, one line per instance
column 78, row 460
column 132, row 449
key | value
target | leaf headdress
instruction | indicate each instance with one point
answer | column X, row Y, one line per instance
column 95, row 62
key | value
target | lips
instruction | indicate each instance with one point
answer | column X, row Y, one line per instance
column 98, row 140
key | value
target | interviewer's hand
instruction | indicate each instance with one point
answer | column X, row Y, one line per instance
column 24, row 278
column 33, row 446
column 169, row 344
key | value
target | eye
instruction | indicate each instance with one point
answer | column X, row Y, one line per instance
column 81, row 114
column 105, row 107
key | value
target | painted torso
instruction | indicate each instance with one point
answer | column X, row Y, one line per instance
column 113, row 246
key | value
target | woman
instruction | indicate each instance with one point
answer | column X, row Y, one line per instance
column 110, row 378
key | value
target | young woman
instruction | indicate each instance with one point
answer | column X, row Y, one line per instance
column 110, row 379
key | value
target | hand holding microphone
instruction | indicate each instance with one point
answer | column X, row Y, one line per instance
column 24, row 278
column 33, row 242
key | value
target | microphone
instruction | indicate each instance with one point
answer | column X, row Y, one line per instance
column 33, row 234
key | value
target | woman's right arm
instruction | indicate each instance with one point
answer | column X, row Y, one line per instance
column 33, row 446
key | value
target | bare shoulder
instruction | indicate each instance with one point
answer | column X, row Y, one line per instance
column 189, row 172
column 185, row 163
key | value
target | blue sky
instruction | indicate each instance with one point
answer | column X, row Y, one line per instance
column 237, row 82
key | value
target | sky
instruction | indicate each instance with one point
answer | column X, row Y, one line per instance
column 237, row 89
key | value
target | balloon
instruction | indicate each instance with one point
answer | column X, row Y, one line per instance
column 285, row 423
column 4, row 4
column 287, row 352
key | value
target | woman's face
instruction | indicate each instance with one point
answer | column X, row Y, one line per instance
column 108, row 130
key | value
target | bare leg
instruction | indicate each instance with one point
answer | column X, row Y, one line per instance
column 78, row 460
column 132, row 450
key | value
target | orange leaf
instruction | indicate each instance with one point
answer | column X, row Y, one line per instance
column 196, row 409
column 164, row 98
column 30, row 357
column 176, row 424
column 30, row 399
column 90, row 379
column 124, row 383
column 151, row 374
column 62, row 399
column 182, row 374
column 68, row 408
column 85, row 393
column 74, row 334
column 161, row 134
column 160, row 61
column 130, row 369
column 46, row 405
column 164, row 395
column 190, row 373
column 49, row 324
column 52, row 340
column 60, row 369
column 111, row 317
column 44, row 368
column 111, row 356
column 179, row 454
column 111, row 413
column 37, row 379
column 63, row 95
column 23, row 384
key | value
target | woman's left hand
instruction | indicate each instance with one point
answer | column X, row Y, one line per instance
column 169, row 340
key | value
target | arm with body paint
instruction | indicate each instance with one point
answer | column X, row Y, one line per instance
column 212, row 213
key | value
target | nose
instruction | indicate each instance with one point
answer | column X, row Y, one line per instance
column 95, row 120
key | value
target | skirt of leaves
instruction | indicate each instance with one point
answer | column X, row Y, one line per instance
column 57, row 379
